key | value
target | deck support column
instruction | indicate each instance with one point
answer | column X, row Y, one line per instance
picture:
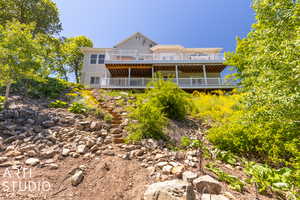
column 204, row 74
column 129, row 75
column 176, row 69
column 152, row 71
column 105, row 78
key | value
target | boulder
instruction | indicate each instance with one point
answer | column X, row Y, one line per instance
column 65, row 152
column 77, row 178
column 189, row 176
column 213, row 197
column 167, row 169
column 3, row 159
column 32, row 161
column 48, row 124
column 178, row 170
column 167, row 190
column 95, row 125
column 81, row 149
column 207, row 184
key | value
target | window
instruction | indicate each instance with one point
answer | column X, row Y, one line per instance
column 93, row 58
column 144, row 42
column 95, row 80
column 101, row 58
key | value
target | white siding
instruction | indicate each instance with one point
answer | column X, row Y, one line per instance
column 142, row 44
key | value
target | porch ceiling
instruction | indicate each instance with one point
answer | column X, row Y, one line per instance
column 122, row 70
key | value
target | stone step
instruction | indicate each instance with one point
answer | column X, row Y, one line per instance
column 118, row 140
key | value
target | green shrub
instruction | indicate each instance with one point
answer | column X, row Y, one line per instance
column 175, row 103
column 150, row 122
column 186, row 142
column 2, row 99
column 108, row 117
column 269, row 179
column 78, row 108
column 216, row 107
column 227, row 157
column 58, row 104
column 234, row 182
column 51, row 88
column 271, row 142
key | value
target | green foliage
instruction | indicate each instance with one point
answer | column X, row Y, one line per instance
column 73, row 56
column 21, row 54
column 78, row 108
column 51, row 88
column 2, row 99
column 271, row 142
column 268, row 64
column 234, row 182
column 175, row 103
column 108, row 117
column 43, row 13
column 150, row 122
column 162, row 100
column 58, row 104
column 186, row 142
column 269, row 179
column 217, row 107
column 227, row 157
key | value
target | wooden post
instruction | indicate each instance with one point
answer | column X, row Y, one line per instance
column 176, row 69
column 204, row 74
column 129, row 75
column 152, row 72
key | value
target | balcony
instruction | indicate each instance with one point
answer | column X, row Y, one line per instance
column 184, row 83
column 135, row 57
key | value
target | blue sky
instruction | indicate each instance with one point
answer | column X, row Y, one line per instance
column 191, row 23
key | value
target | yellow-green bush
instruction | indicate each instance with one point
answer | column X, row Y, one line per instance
column 233, row 129
column 1, row 102
column 58, row 104
column 174, row 102
column 150, row 122
column 216, row 107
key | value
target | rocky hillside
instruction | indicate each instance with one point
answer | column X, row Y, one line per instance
column 51, row 153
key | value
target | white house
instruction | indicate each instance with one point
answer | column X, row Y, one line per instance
column 132, row 63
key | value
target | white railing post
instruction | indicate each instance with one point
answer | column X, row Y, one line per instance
column 191, row 81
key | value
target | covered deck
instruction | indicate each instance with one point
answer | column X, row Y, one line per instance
column 186, row 76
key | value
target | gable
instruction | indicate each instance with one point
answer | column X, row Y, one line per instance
column 137, row 41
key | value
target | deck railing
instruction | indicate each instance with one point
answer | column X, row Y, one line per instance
column 133, row 55
column 185, row 83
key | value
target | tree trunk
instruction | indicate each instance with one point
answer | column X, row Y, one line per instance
column 6, row 103
column 77, row 76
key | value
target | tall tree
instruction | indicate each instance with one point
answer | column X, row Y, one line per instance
column 21, row 54
column 73, row 55
column 42, row 12
column 269, row 67
column 268, row 60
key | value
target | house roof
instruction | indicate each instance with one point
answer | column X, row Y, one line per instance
column 133, row 36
